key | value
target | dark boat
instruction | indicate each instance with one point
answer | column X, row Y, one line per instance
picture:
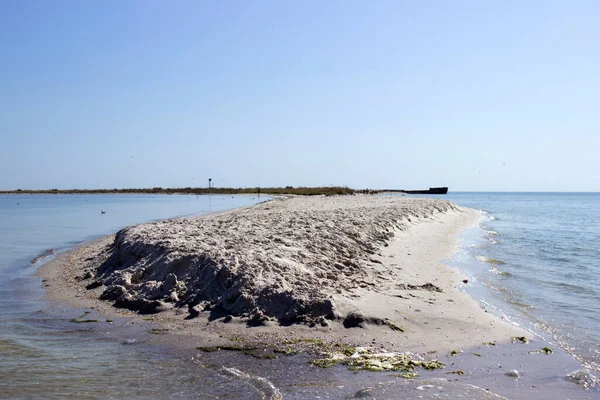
column 435, row 190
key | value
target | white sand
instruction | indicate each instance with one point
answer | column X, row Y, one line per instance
column 352, row 269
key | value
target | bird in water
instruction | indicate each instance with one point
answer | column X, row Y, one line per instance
column 102, row 212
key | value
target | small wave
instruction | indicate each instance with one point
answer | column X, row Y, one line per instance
column 493, row 241
column 490, row 260
column 14, row 348
column 571, row 287
column 522, row 306
column 583, row 378
column 498, row 271
column 268, row 390
column 45, row 254
column 492, row 233
column 579, row 249
column 485, row 217
column 499, row 289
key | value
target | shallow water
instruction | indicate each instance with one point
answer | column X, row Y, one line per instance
column 44, row 354
column 535, row 258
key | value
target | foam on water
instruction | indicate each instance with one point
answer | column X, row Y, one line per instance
column 583, row 378
column 498, row 271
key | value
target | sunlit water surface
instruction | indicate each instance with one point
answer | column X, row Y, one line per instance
column 535, row 258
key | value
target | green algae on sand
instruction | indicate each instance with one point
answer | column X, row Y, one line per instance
column 369, row 359
column 546, row 350
column 287, row 350
column 395, row 327
column 458, row 372
column 81, row 320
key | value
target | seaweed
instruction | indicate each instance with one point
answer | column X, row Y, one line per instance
column 408, row 375
column 157, row 331
column 395, row 327
column 319, row 342
column 267, row 356
column 458, row 372
column 236, row 338
column 80, row 320
column 367, row 359
column 287, row 350
column 208, row 349
column 243, row 349
column 237, row 348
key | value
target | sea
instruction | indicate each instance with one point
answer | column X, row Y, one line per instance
column 43, row 354
column 533, row 259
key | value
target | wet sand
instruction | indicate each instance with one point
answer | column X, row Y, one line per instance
column 394, row 296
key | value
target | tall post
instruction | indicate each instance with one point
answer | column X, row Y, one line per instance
column 209, row 183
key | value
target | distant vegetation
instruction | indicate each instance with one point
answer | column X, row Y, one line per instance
column 305, row 191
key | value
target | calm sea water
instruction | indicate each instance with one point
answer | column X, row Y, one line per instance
column 535, row 258
column 44, row 355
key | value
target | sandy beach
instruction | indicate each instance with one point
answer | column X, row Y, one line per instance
column 352, row 280
column 332, row 268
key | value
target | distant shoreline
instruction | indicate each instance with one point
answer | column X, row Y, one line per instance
column 306, row 191
column 287, row 190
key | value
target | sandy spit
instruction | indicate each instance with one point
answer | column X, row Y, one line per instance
column 363, row 270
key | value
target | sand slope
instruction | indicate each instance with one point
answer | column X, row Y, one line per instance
column 354, row 269
column 283, row 260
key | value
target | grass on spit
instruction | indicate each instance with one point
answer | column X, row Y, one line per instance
column 304, row 191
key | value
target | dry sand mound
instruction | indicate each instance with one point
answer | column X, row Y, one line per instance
column 282, row 259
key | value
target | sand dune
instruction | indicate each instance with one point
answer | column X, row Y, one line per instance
column 283, row 260
column 321, row 267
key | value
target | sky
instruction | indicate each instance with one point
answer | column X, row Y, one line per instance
column 474, row 95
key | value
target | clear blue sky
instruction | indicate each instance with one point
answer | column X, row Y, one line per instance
column 474, row 95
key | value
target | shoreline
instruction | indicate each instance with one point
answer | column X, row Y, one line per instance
column 306, row 191
column 416, row 308
column 433, row 323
